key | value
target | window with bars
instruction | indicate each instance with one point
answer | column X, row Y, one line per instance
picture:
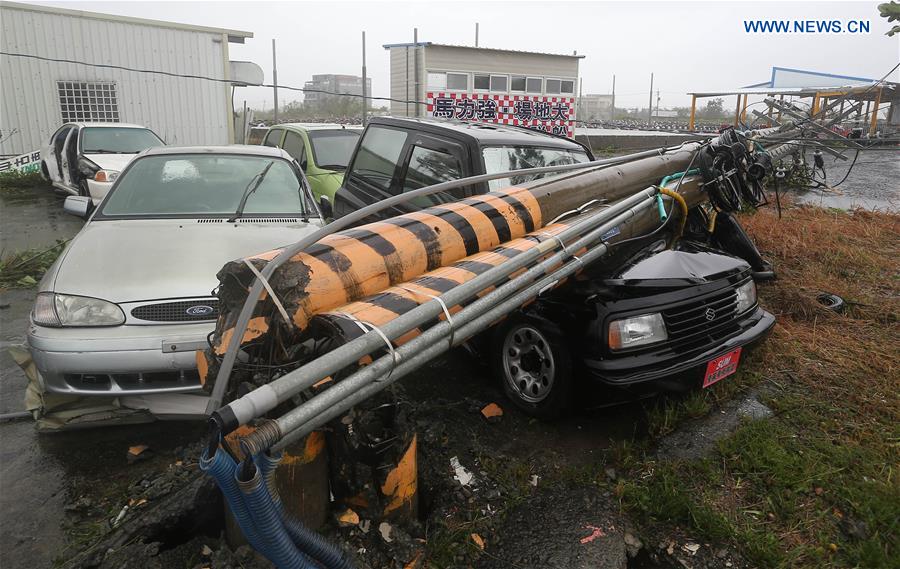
column 88, row 101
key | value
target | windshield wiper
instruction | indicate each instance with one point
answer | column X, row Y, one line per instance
column 254, row 183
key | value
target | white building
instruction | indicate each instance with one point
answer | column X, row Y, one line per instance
column 38, row 92
column 504, row 86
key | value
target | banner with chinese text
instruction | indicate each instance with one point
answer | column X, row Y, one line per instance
column 555, row 115
column 28, row 162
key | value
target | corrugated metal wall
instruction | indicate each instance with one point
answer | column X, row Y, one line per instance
column 182, row 111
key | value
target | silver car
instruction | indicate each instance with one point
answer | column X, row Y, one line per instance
column 130, row 300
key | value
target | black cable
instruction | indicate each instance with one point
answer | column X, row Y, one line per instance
column 850, row 169
column 202, row 77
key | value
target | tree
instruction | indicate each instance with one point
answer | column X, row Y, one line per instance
column 715, row 108
column 891, row 11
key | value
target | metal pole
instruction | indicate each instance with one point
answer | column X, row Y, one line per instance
column 485, row 310
column 612, row 114
column 650, row 110
column 364, row 90
column 580, row 108
column 406, row 95
column 476, row 34
column 244, row 125
column 274, row 84
column 416, row 66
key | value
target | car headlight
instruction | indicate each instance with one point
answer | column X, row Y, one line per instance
column 56, row 310
column 746, row 296
column 637, row 331
column 106, row 176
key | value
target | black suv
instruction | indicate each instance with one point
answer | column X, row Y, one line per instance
column 645, row 317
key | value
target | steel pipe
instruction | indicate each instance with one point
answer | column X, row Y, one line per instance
column 257, row 288
column 267, row 397
column 470, row 320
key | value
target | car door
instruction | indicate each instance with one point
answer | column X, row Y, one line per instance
column 430, row 160
column 53, row 153
column 294, row 145
column 68, row 160
column 273, row 138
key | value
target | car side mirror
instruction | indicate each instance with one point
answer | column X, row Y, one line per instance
column 325, row 208
column 80, row 206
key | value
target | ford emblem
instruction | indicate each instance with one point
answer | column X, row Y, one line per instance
column 200, row 310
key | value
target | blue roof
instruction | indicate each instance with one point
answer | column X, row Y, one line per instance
column 771, row 81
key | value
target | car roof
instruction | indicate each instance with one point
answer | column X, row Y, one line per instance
column 316, row 126
column 484, row 133
column 105, row 125
column 236, row 149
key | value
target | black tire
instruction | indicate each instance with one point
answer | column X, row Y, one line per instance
column 541, row 348
column 45, row 172
column 83, row 189
column 832, row 302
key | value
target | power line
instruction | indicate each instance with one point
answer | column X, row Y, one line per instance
column 201, row 77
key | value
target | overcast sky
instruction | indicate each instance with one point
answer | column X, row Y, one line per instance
column 690, row 46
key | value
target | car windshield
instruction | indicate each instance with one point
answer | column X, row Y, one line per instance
column 205, row 184
column 499, row 159
column 117, row 140
column 332, row 149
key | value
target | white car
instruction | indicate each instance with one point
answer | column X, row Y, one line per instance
column 129, row 302
column 84, row 159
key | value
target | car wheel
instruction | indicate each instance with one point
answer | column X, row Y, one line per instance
column 534, row 366
column 45, row 172
column 83, row 189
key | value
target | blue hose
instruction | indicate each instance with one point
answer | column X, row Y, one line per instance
column 223, row 470
column 306, row 540
column 268, row 521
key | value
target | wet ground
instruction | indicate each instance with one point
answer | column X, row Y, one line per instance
column 873, row 183
column 58, row 492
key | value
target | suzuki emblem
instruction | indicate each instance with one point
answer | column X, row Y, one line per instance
column 710, row 313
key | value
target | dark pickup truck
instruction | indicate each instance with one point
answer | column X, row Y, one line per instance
column 649, row 317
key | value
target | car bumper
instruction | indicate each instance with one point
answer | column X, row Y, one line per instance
column 98, row 190
column 679, row 370
column 119, row 360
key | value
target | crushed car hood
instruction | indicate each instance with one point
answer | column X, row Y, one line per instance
column 116, row 162
column 689, row 265
column 135, row 260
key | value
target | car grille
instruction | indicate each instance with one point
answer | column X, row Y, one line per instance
column 177, row 311
column 702, row 322
column 134, row 381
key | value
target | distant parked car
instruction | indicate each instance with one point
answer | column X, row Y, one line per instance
column 257, row 134
column 323, row 151
column 84, row 159
column 127, row 304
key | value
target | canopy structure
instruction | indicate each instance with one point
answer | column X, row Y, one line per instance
column 821, row 89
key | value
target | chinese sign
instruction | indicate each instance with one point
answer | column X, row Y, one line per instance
column 29, row 162
column 555, row 115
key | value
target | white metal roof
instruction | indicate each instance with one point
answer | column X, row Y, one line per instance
column 234, row 36
column 430, row 44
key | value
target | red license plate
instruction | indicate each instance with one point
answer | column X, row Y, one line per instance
column 721, row 367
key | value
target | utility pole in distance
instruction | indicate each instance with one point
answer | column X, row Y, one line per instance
column 650, row 110
column 274, row 83
column 365, row 99
column 612, row 114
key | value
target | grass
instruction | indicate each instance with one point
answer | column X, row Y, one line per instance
column 817, row 485
column 14, row 180
column 24, row 269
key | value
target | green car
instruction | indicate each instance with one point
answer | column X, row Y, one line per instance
column 323, row 151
